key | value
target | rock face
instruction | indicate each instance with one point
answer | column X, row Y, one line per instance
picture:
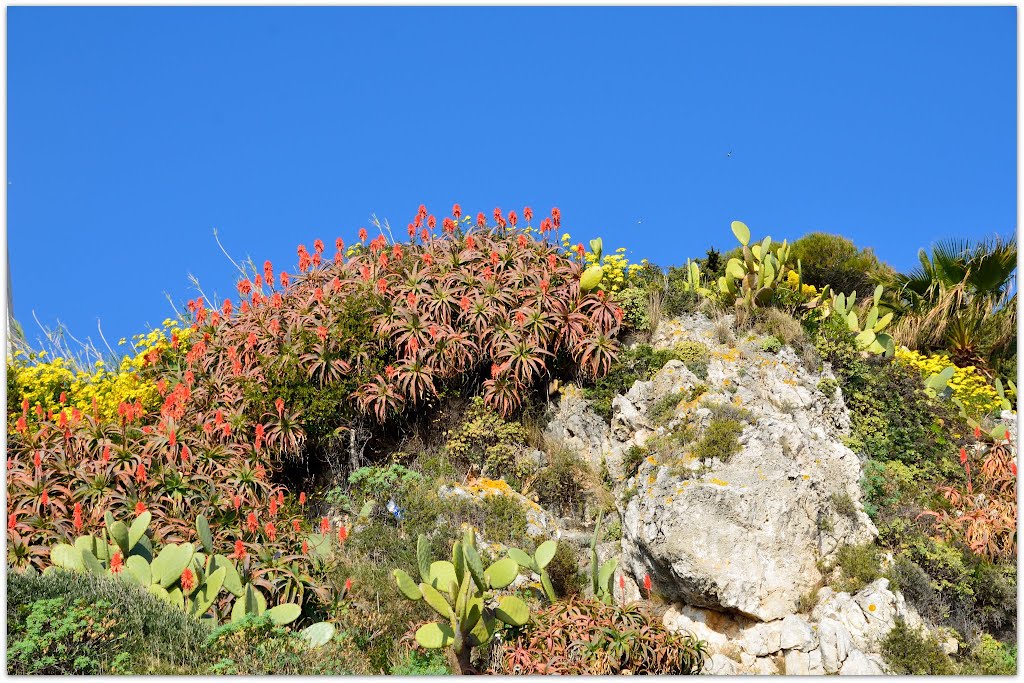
column 744, row 535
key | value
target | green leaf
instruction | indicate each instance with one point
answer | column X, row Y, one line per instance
column 502, row 573
column 206, row 594
column 138, row 529
column 512, row 611
column 735, row 268
column 741, row 231
column 476, row 567
column 523, row 559
column 882, row 322
column 597, row 247
column 433, row 636
column 865, row 339
column 549, row 590
column 591, row 278
column 284, row 614
column 604, row 578
column 442, row 575
column 119, row 532
column 172, row 560
column 545, row 553
column 436, row 601
column 139, row 569
column 483, row 631
column 423, row 557
column 67, row 557
column 91, row 564
column 205, row 536
column 406, row 585
column 318, row 634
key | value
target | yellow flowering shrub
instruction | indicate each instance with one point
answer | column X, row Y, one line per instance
column 793, row 282
column 617, row 270
column 968, row 385
column 41, row 380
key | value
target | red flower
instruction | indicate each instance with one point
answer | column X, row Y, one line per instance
column 431, row 222
column 140, row 473
column 251, row 521
column 470, row 242
column 448, row 225
column 77, row 519
column 647, row 584
column 552, row 261
column 362, row 234
column 239, row 550
column 236, row 500
column 273, row 507
column 382, row 285
column 271, row 531
column 325, row 526
column 1013, row 468
column 348, row 584
column 63, row 398
column 457, row 211
column 188, row 581
column 580, row 249
column 528, row 213
column 280, row 498
column 296, row 527
column 622, row 583
column 977, row 432
column 521, row 239
column 12, row 520
column 481, row 220
column 45, row 498
column 37, row 459
column 268, row 273
column 284, row 280
column 116, row 563
column 497, row 215
column 963, row 455
column 22, row 425
column 512, row 218
column 424, row 234
column 140, row 507
column 318, row 246
column 464, row 303
column 279, row 404
column 342, row 534
column 305, row 547
column 302, row 498
column 321, row 332
column 556, row 216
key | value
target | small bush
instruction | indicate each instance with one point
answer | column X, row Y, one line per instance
column 638, row 363
column 844, row 504
column 664, row 409
column 860, row 565
column 422, row 663
column 723, row 332
column 771, row 344
column 504, row 520
column 721, row 439
column 989, row 657
column 488, row 441
column 256, row 647
column 564, row 572
column 155, row 635
column 907, row 651
column 61, row 638
column 632, row 459
column 695, row 356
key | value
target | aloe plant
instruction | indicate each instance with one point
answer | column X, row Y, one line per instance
column 462, row 592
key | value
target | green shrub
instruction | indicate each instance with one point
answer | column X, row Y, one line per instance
column 844, row 504
column 632, row 459
column 422, row 663
column 989, row 657
column 695, row 356
column 721, row 439
column 61, row 638
column 834, row 260
column 488, row 441
column 256, row 647
column 635, row 312
column 564, row 572
column 153, row 634
column 638, row 363
column 664, row 409
column 771, row 344
column 676, row 299
column 562, row 485
column 504, row 520
column 384, row 481
column 860, row 565
column 907, row 651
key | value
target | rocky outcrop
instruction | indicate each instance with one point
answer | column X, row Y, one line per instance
column 736, row 543
column 841, row 634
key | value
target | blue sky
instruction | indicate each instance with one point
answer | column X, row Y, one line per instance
column 134, row 132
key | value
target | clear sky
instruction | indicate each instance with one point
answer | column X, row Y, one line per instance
column 134, row 132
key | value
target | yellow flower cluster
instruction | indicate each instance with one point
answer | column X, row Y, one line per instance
column 41, row 381
column 968, row 385
column 793, row 281
column 617, row 270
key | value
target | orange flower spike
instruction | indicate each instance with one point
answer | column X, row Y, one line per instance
column 140, row 473
column 424, row 235
column 236, row 500
column 342, row 534
column 963, row 455
column 22, row 425
column 140, row 507
column 37, row 460
column 273, row 507
column 302, row 498
column 239, row 550
column 481, row 220
column 325, row 526
column 348, row 584
column 44, row 499
column 279, row 404
column 251, row 522
column 305, row 547
column 188, row 581
column 106, row 453
column 280, row 498
column 63, row 398
column 512, row 218
column 556, row 217
column 362, row 234
column 647, row 584
column 431, row 222
column 271, row 531
column 116, row 563
column 284, row 280
column 296, row 527
column 457, row 211
column 12, row 521
column 24, row 406
column 528, row 213
column 318, row 246
column 77, row 518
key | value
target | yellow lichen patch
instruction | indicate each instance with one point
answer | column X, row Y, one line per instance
column 717, row 482
column 806, row 477
column 871, row 607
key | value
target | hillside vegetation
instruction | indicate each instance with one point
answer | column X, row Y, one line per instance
column 346, row 470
